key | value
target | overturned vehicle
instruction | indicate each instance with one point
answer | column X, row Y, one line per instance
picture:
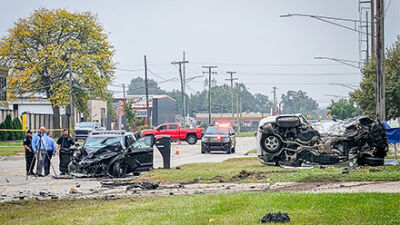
column 113, row 154
column 290, row 140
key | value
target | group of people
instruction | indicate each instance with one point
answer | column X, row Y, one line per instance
column 41, row 147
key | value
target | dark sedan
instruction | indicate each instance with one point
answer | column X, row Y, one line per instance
column 217, row 138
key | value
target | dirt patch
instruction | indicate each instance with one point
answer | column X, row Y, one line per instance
column 244, row 174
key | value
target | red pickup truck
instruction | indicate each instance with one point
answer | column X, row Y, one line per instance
column 176, row 132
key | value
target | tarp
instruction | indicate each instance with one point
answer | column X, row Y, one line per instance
column 392, row 134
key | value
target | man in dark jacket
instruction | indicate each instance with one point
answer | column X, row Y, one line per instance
column 64, row 144
column 29, row 154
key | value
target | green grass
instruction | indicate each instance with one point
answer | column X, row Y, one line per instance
column 7, row 151
column 245, row 134
column 214, row 172
column 11, row 143
column 239, row 208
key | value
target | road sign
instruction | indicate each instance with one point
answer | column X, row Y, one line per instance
column 141, row 113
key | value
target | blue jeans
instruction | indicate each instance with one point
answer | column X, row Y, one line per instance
column 47, row 162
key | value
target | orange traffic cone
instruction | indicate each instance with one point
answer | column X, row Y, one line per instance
column 180, row 142
column 177, row 152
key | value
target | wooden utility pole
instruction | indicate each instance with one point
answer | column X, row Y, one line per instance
column 71, row 98
column 275, row 100
column 147, row 92
column 182, row 78
column 380, row 61
column 209, row 90
column 373, row 28
column 232, row 79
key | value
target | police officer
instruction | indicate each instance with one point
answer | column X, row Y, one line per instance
column 29, row 154
column 64, row 144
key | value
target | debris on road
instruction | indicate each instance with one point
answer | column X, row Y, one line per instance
column 290, row 140
column 144, row 185
column 275, row 218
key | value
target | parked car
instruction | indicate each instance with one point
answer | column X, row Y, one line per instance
column 290, row 140
column 112, row 153
column 218, row 138
column 190, row 135
column 83, row 129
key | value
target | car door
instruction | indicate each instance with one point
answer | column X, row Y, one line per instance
column 140, row 154
column 173, row 131
column 162, row 129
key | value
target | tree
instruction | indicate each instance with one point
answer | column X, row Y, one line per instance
column 298, row 102
column 365, row 95
column 9, row 125
column 18, row 125
column 37, row 50
column 137, row 87
column 344, row 109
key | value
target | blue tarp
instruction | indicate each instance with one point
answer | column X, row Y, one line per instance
column 392, row 134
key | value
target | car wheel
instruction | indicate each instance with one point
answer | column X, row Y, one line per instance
column 229, row 151
column 136, row 173
column 271, row 143
column 191, row 139
column 203, row 151
column 233, row 149
column 118, row 169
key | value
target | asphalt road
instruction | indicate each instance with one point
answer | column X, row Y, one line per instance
column 14, row 184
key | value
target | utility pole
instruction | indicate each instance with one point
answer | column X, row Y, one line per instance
column 71, row 99
column 147, row 92
column 367, row 36
column 240, row 108
column 237, row 104
column 181, row 76
column 232, row 79
column 209, row 89
column 123, row 90
column 275, row 100
column 372, row 28
column 380, row 60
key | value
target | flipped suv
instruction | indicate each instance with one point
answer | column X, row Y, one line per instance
column 290, row 140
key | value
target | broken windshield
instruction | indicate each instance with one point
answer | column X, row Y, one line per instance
column 99, row 142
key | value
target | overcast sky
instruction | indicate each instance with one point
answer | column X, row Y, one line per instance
column 246, row 36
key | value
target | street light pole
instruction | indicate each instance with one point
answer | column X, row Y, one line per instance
column 209, row 90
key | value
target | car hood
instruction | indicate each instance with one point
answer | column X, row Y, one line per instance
column 216, row 135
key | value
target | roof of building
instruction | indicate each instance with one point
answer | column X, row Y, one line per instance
column 120, row 96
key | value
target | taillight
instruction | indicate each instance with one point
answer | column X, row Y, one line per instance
column 219, row 138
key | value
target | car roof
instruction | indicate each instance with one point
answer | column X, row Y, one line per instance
column 108, row 133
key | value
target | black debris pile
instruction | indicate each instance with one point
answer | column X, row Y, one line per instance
column 131, row 185
column 275, row 218
column 144, row 185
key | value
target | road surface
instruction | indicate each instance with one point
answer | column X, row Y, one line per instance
column 15, row 185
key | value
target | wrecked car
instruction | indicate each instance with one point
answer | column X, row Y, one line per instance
column 290, row 140
column 112, row 153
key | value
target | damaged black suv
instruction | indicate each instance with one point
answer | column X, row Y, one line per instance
column 112, row 153
column 290, row 140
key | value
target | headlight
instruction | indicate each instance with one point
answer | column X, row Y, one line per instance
column 225, row 139
column 204, row 139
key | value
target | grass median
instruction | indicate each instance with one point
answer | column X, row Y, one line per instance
column 251, row 170
column 245, row 134
column 238, row 208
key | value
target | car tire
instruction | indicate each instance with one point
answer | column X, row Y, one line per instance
column 136, row 173
column 270, row 143
column 118, row 169
column 229, row 151
column 191, row 139
column 203, row 151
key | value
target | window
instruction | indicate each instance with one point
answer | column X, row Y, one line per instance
column 3, row 89
column 173, row 127
column 163, row 127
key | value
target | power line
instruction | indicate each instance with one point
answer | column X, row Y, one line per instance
column 265, row 64
column 297, row 74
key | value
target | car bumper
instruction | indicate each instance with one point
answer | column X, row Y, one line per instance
column 216, row 146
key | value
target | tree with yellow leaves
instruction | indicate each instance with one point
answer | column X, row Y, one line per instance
column 36, row 49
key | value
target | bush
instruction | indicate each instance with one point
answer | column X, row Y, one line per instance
column 3, row 134
column 9, row 125
column 18, row 125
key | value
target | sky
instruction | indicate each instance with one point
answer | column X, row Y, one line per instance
column 245, row 36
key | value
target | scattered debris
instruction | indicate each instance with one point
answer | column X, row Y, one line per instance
column 256, row 175
column 131, row 185
column 178, row 167
column 275, row 218
column 7, row 181
column 73, row 190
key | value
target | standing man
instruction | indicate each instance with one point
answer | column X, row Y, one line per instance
column 64, row 144
column 42, row 144
column 29, row 154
